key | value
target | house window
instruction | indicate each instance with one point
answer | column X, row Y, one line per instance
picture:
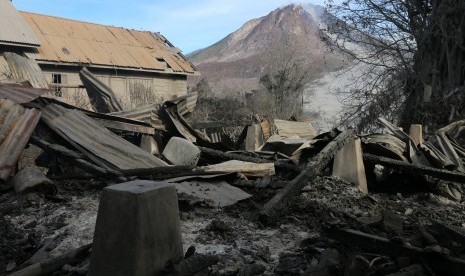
column 57, row 79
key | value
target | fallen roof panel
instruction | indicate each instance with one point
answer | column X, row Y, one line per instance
column 119, row 123
column 146, row 114
column 95, row 141
column 20, row 94
column 13, row 29
column 290, row 129
column 16, row 126
column 23, row 68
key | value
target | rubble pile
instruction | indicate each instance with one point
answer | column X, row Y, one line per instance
column 281, row 200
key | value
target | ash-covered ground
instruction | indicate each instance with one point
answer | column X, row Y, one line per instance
column 37, row 225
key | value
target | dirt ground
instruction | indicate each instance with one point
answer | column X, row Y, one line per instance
column 37, row 225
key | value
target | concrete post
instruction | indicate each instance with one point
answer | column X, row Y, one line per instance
column 427, row 92
column 137, row 230
column 149, row 144
column 254, row 139
column 348, row 165
column 416, row 134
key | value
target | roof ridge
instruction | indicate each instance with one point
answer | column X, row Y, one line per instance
column 82, row 21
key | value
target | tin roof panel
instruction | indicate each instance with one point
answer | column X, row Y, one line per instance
column 13, row 28
column 70, row 41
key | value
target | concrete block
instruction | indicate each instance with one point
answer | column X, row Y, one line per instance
column 137, row 229
column 348, row 165
column 416, row 133
column 180, row 151
column 32, row 179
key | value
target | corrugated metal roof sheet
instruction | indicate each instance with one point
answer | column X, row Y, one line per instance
column 26, row 69
column 291, row 129
column 95, row 141
column 149, row 113
column 146, row 113
column 70, row 41
column 16, row 126
column 13, row 29
column 111, row 122
column 20, row 94
column 102, row 98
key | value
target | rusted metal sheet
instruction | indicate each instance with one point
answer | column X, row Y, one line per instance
column 286, row 146
column 437, row 158
column 386, row 145
column 101, row 96
column 149, row 113
column 20, row 94
column 109, row 121
column 291, row 129
column 182, row 126
column 13, row 29
column 16, row 126
column 442, row 143
column 71, row 41
column 180, row 59
column 26, row 69
column 95, row 141
column 146, row 114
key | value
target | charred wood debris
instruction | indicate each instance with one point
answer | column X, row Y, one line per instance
column 387, row 203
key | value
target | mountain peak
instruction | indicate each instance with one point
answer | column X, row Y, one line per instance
column 295, row 25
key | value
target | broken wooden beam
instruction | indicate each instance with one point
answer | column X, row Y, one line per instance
column 247, row 169
column 278, row 204
column 416, row 169
column 234, row 156
column 376, row 244
column 54, row 264
column 194, row 264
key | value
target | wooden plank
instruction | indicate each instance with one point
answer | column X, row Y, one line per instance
column 219, row 155
column 416, row 169
column 279, row 203
column 245, row 168
column 54, row 264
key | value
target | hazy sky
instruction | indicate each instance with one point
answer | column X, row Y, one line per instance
column 189, row 25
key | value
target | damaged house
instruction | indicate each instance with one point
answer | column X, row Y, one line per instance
column 139, row 66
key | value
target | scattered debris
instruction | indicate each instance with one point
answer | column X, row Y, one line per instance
column 278, row 200
column 29, row 179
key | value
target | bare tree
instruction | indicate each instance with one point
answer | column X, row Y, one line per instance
column 285, row 78
column 413, row 52
column 202, row 88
